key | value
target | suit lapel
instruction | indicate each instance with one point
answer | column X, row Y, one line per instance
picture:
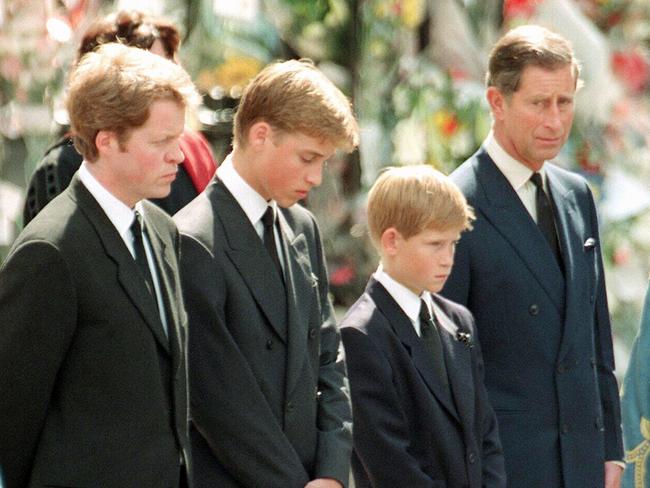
column 128, row 274
column 571, row 232
column 299, row 282
column 250, row 257
column 165, row 263
column 458, row 358
column 507, row 214
column 405, row 331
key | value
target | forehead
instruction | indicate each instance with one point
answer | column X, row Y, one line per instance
column 165, row 117
column 537, row 79
column 440, row 234
column 303, row 142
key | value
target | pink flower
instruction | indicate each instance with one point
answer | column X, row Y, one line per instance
column 632, row 68
column 342, row 275
column 518, row 8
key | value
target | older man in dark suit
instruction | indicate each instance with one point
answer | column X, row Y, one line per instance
column 531, row 272
column 92, row 324
column 269, row 403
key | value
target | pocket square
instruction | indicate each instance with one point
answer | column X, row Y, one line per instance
column 590, row 243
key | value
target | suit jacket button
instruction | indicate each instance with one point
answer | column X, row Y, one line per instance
column 565, row 428
column 533, row 309
column 312, row 332
column 269, row 344
column 471, row 458
column 288, row 407
column 561, row 368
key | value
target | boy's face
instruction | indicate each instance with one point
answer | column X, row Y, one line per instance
column 423, row 261
column 288, row 166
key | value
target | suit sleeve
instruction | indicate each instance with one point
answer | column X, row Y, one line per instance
column 226, row 401
column 334, row 410
column 381, row 435
column 608, row 386
column 37, row 322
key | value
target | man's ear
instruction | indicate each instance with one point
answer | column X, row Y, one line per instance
column 497, row 100
column 105, row 141
column 259, row 133
column 390, row 241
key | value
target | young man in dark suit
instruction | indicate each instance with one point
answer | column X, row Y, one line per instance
column 421, row 412
column 92, row 323
column 269, row 403
column 531, row 272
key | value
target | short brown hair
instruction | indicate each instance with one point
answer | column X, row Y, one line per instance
column 527, row 45
column 133, row 28
column 294, row 96
column 415, row 198
column 113, row 88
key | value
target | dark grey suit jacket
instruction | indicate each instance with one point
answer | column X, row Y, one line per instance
column 410, row 431
column 268, row 400
column 545, row 331
column 93, row 393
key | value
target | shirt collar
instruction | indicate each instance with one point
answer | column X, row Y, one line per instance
column 117, row 211
column 515, row 172
column 249, row 200
column 408, row 301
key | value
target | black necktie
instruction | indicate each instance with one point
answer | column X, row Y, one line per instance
column 545, row 217
column 268, row 219
column 137, row 227
column 432, row 342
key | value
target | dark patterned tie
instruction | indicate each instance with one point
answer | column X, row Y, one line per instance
column 430, row 334
column 545, row 217
column 137, row 227
column 268, row 219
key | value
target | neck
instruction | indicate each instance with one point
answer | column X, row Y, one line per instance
column 104, row 178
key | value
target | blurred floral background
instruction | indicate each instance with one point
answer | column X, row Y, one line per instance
column 414, row 69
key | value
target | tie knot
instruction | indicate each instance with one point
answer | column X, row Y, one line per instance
column 136, row 226
column 425, row 315
column 268, row 219
column 536, row 178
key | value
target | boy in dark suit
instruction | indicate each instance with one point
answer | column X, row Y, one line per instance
column 421, row 412
column 269, row 403
column 92, row 323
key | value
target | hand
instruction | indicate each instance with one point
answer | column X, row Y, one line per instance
column 613, row 474
column 324, row 483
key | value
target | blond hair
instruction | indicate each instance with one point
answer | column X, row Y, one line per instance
column 294, row 96
column 415, row 198
column 528, row 45
column 113, row 88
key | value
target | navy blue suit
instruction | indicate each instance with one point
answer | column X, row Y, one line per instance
column 410, row 431
column 544, row 328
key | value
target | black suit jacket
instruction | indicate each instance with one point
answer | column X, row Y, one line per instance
column 545, row 332
column 93, row 392
column 268, row 400
column 409, row 431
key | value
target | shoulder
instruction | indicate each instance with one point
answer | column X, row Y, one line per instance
column 197, row 217
column 360, row 314
column 465, row 175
